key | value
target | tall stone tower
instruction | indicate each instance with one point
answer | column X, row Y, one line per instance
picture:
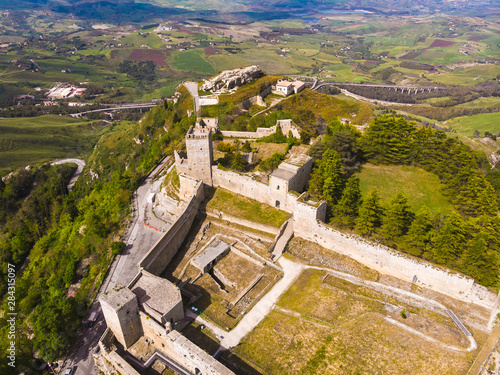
column 199, row 150
column 121, row 311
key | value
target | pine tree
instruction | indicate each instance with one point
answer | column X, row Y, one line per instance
column 398, row 218
column 451, row 240
column 477, row 196
column 419, row 234
column 370, row 214
column 481, row 256
column 237, row 161
column 388, row 140
column 474, row 262
column 326, row 179
column 348, row 206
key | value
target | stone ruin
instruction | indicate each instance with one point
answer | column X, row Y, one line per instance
column 231, row 79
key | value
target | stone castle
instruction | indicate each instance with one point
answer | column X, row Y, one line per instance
column 151, row 307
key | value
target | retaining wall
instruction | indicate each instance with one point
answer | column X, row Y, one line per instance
column 160, row 255
column 391, row 262
column 241, row 184
column 209, row 100
column 246, row 223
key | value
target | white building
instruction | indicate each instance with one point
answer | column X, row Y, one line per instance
column 288, row 87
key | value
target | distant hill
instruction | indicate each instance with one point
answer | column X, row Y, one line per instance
column 214, row 10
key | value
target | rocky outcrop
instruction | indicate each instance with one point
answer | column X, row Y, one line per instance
column 231, row 79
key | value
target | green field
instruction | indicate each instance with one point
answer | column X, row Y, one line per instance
column 34, row 140
column 421, row 188
column 482, row 122
column 192, row 61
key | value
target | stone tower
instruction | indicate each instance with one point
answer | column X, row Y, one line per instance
column 121, row 311
column 199, row 150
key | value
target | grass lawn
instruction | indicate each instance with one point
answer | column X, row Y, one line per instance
column 33, row 140
column 421, row 188
column 246, row 208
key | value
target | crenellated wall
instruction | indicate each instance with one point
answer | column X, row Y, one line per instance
column 236, row 134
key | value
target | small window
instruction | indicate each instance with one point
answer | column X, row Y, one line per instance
column 277, row 187
column 277, row 204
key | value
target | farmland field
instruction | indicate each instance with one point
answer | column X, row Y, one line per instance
column 156, row 56
column 192, row 61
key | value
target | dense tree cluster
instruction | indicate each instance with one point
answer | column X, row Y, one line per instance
column 78, row 236
column 465, row 240
column 139, row 70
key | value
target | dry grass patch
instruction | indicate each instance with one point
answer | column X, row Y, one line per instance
column 315, row 255
column 334, row 330
column 266, row 150
column 238, row 271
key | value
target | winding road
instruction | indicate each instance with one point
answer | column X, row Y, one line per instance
column 80, row 164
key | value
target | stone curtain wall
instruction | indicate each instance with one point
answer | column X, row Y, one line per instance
column 160, row 255
column 248, row 187
column 389, row 261
column 236, row 134
column 241, row 184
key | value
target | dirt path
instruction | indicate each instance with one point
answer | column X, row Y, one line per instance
column 425, row 337
column 276, row 101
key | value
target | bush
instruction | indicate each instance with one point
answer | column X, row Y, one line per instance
column 117, row 247
column 271, row 163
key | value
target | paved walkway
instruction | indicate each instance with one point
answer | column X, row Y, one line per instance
column 141, row 238
column 192, row 87
column 123, row 269
column 283, row 240
column 80, row 164
column 485, row 352
column 259, row 311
